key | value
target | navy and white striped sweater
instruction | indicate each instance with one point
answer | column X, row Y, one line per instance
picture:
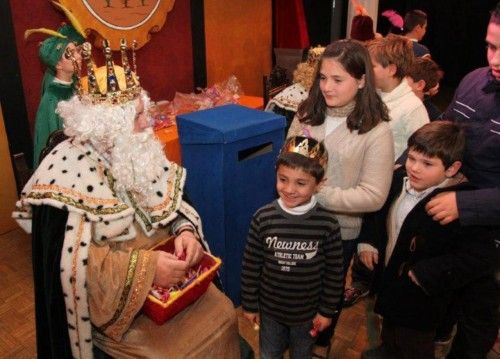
column 292, row 265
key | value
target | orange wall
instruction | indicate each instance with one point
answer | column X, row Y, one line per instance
column 238, row 37
column 8, row 194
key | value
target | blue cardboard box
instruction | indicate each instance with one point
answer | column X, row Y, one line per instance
column 229, row 153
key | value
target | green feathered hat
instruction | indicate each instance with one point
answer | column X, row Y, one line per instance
column 52, row 48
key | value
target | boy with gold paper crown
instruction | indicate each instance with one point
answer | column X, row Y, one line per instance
column 292, row 276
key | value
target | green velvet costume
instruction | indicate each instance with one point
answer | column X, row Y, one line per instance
column 47, row 121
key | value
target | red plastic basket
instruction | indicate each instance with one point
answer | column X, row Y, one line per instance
column 160, row 311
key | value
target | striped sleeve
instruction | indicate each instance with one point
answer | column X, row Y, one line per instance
column 251, row 268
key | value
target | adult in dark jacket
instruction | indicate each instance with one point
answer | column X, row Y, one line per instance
column 476, row 107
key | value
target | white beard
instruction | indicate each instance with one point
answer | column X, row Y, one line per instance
column 137, row 159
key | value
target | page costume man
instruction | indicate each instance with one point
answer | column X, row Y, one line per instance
column 53, row 51
column 96, row 205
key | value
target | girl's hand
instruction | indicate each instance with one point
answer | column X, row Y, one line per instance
column 369, row 259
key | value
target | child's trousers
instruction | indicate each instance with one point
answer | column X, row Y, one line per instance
column 407, row 343
column 275, row 338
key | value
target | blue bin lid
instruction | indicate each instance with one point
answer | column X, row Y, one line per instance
column 226, row 124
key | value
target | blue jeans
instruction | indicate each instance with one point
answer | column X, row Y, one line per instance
column 275, row 338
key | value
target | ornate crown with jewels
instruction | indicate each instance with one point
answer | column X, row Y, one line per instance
column 307, row 147
column 113, row 93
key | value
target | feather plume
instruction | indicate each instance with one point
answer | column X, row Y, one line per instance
column 394, row 18
column 359, row 9
column 43, row 30
column 74, row 21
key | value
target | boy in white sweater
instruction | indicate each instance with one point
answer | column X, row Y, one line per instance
column 392, row 57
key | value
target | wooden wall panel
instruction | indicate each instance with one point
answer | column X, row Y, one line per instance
column 8, row 194
column 238, row 37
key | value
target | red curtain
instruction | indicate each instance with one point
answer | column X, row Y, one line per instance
column 290, row 24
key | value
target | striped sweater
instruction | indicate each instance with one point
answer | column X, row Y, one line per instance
column 292, row 265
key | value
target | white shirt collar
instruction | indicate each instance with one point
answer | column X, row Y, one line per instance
column 409, row 190
column 62, row 81
column 299, row 210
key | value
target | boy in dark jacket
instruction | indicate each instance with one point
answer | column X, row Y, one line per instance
column 422, row 263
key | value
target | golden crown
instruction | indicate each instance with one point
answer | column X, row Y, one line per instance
column 114, row 93
column 307, row 147
column 314, row 54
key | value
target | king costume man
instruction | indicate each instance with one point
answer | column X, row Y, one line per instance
column 96, row 205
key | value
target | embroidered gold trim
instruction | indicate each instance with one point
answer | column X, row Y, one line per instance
column 175, row 198
column 60, row 189
column 111, row 182
column 171, row 203
column 177, row 176
column 132, row 264
column 139, row 212
column 71, row 202
column 131, row 307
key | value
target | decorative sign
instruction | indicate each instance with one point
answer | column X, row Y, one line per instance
column 116, row 19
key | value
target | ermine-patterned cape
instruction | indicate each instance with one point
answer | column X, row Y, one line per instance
column 75, row 178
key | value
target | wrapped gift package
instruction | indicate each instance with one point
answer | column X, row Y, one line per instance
column 162, row 310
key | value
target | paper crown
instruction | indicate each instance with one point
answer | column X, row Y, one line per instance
column 307, row 147
column 314, row 54
column 113, row 93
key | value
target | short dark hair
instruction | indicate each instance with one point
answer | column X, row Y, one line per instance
column 298, row 161
column 442, row 139
column 426, row 69
column 495, row 14
column 414, row 18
